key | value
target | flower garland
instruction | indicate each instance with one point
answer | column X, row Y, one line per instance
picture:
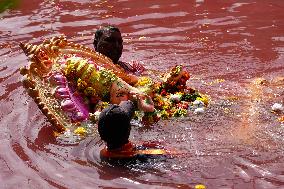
column 172, row 98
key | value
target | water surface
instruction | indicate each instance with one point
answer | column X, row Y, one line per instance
column 226, row 46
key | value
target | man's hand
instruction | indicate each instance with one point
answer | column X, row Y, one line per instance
column 137, row 67
column 132, row 67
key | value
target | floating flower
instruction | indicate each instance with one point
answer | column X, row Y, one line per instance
column 200, row 186
column 204, row 99
column 199, row 111
column 180, row 112
column 175, row 97
column 164, row 114
column 281, row 119
column 183, row 105
column 80, row 131
column 277, row 107
column 191, row 96
column 198, row 103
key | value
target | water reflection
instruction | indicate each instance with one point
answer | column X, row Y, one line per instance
column 228, row 48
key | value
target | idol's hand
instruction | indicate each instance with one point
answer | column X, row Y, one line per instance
column 133, row 96
column 133, row 79
column 145, row 103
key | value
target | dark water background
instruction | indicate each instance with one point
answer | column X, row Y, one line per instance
column 226, row 45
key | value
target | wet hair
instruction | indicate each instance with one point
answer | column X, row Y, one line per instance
column 100, row 32
column 114, row 124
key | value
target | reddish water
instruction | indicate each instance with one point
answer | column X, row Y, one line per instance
column 238, row 143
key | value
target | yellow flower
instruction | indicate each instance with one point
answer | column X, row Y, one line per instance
column 144, row 81
column 80, row 131
column 89, row 91
column 200, row 186
column 180, row 112
column 164, row 114
column 105, row 104
column 179, row 93
column 204, row 99
column 281, row 119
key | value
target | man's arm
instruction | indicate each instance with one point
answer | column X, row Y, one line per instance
column 133, row 67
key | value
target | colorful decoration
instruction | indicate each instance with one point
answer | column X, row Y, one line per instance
column 70, row 84
column 172, row 97
column 47, row 82
column 90, row 80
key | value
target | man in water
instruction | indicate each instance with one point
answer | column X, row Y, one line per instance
column 108, row 41
column 114, row 128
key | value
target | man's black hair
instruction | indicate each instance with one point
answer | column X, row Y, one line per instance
column 100, row 32
column 114, row 124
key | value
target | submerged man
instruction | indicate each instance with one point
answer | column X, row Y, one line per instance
column 114, row 128
column 108, row 41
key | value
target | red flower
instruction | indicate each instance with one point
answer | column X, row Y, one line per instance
column 164, row 92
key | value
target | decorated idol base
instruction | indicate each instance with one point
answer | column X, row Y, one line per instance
column 65, row 80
